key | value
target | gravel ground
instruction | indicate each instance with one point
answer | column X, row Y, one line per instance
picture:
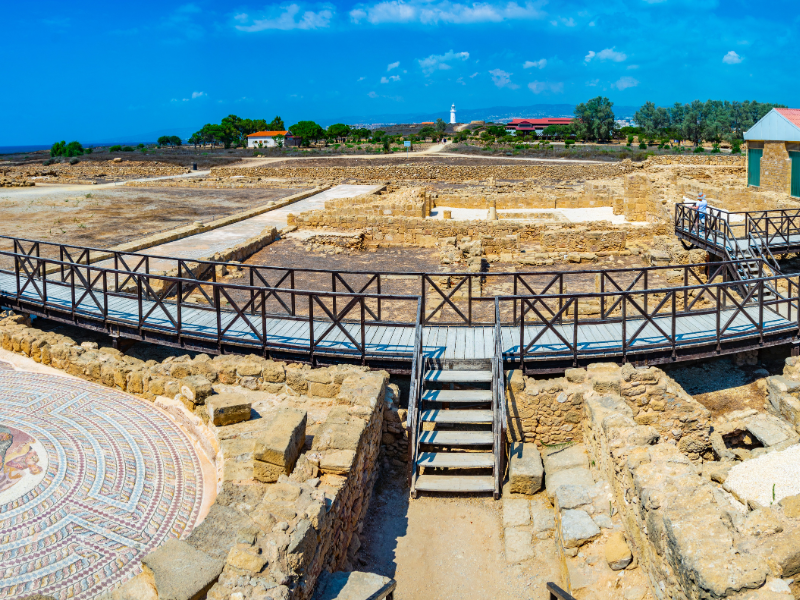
column 769, row 478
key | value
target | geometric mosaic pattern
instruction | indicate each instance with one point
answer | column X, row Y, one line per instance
column 92, row 480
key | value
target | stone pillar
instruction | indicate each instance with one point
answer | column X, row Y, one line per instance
column 492, row 209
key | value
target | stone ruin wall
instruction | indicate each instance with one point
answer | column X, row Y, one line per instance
column 410, row 231
column 550, row 411
column 434, row 172
column 776, row 168
column 653, row 444
column 263, row 538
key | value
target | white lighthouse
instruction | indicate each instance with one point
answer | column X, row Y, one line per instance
column 453, row 114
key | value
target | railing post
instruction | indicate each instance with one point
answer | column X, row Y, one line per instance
column 380, row 299
column 469, row 300
column 291, row 280
column 311, row 327
column 674, row 325
column 264, row 318
column 521, row 329
column 624, row 328
column 218, row 306
column 761, row 312
column 718, row 316
column 363, row 334
column 178, row 308
column 333, row 289
column 575, row 334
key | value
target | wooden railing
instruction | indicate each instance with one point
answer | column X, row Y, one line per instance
column 150, row 305
column 448, row 298
column 559, row 318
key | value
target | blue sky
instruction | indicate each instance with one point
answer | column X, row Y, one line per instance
column 94, row 70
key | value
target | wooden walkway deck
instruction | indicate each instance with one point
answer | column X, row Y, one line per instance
column 457, row 343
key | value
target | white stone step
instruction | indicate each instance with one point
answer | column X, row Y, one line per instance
column 457, row 416
column 456, row 460
column 455, row 483
column 457, row 395
column 459, row 376
column 457, row 438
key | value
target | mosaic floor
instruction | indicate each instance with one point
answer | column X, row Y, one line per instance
column 91, row 481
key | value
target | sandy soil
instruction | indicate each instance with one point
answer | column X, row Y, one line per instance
column 108, row 217
column 447, row 548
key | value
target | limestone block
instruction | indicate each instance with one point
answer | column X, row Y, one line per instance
column 579, row 476
column 791, row 506
column 339, row 435
column 618, row 555
column 280, row 444
column 518, row 545
column 302, row 544
column 571, row 496
column 273, row 372
column 196, row 388
column 770, row 430
column 246, row 558
column 354, row 585
column 219, row 531
column 525, row 469
column 516, row 512
column 337, row 462
column 565, row 458
column 181, row 572
column 577, row 528
column 227, row 409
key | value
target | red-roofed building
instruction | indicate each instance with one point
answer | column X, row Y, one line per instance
column 269, row 139
column 528, row 125
column 773, row 152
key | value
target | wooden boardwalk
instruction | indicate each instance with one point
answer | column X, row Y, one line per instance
column 202, row 323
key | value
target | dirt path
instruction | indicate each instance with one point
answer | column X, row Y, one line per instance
column 447, row 549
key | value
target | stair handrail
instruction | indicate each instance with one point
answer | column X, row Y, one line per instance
column 499, row 420
column 414, row 395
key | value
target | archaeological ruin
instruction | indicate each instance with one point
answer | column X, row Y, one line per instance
column 400, row 377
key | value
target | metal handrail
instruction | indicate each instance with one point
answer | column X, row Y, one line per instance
column 500, row 419
column 414, row 398
column 556, row 593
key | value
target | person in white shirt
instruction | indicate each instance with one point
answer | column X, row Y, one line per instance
column 702, row 208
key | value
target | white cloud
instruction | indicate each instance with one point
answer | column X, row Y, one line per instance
column 538, row 64
column 361, row 79
column 473, row 75
column 393, row 65
column 444, row 11
column 440, row 61
column 502, row 79
column 539, row 87
column 291, row 17
column 198, row 95
column 390, row 78
column 624, row 83
column 632, row 67
column 373, row 95
column 731, row 58
column 592, row 82
column 607, row 54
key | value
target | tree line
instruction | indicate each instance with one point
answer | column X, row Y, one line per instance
column 232, row 131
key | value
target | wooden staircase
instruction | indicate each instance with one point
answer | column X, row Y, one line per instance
column 456, row 420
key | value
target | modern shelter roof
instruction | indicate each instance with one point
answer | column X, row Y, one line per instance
column 267, row 133
column 778, row 125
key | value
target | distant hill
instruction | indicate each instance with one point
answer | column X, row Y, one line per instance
column 497, row 114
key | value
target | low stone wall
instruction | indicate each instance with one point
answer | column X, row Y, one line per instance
column 436, row 172
column 274, row 528
column 694, row 540
column 408, row 231
column 548, row 412
column 698, row 159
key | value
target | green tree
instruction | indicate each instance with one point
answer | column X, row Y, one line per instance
column 441, row 126
column 164, row 140
column 174, row 140
column 307, row 131
column 338, row 131
column 595, row 120
column 692, row 126
column 64, row 149
column 195, row 139
column 275, row 125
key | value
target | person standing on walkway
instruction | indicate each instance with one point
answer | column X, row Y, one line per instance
column 702, row 208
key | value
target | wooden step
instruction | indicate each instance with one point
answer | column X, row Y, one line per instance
column 457, row 438
column 457, row 395
column 459, row 376
column 456, row 460
column 455, row 483
column 457, row 416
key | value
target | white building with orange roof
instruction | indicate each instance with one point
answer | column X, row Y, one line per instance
column 267, row 139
